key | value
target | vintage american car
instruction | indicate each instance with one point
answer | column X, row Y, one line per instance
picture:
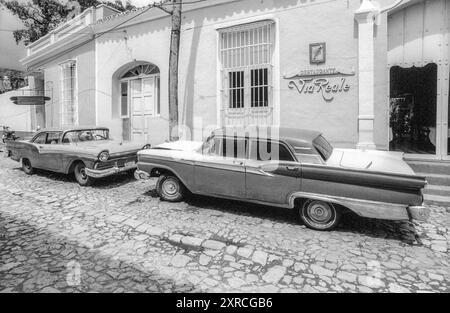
column 87, row 152
column 288, row 168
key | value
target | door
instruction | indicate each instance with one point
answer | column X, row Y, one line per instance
column 221, row 171
column 414, row 110
column 272, row 174
column 142, row 107
column 34, row 153
column 418, row 37
column 50, row 152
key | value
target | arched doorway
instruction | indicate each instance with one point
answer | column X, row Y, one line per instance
column 139, row 99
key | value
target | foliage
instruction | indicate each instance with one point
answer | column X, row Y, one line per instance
column 16, row 78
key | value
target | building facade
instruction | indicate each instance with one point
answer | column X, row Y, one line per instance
column 368, row 75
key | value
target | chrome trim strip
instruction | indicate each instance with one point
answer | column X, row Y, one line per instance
column 279, row 205
column 107, row 172
column 365, row 208
column 258, row 171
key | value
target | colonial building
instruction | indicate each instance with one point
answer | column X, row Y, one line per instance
column 368, row 74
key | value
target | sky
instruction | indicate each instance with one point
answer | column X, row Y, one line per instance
column 140, row 3
column 10, row 52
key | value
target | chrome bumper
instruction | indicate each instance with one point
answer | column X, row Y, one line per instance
column 421, row 212
column 108, row 171
column 138, row 174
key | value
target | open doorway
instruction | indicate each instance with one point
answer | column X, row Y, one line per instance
column 412, row 116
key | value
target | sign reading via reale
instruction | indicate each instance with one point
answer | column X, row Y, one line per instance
column 310, row 81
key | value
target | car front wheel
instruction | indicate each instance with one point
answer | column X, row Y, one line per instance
column 80, row 175
column 26, row 167
column 319, row 215
column 170, row 188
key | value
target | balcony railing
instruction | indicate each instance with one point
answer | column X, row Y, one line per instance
column 72, row 26
column 247, row 116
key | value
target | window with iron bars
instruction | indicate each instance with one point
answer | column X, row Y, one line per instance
column 68, row 93
column 246, row 64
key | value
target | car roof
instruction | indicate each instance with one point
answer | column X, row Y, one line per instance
column 294, row 136
column 69, row 128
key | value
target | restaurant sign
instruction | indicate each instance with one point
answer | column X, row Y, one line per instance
column 29, row 100
column 311, row 81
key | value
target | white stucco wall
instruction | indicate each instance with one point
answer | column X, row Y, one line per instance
column 18, row 117
column 299, row 24
column 85, row 60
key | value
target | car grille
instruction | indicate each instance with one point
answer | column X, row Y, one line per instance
column 112, row 162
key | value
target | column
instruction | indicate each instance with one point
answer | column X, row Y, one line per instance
column 365, row 16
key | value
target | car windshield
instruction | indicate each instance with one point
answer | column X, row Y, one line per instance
column 75, row 136
column 323, row 146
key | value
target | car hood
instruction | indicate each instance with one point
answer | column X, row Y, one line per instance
column 180, row 145
column 370, row 160
column 111, row 145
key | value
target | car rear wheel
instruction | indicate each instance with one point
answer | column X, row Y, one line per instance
column 170, row 188
column 319, row 215
column 26, row 167
column 80, row 175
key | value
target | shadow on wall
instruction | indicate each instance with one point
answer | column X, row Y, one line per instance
column 187, row 115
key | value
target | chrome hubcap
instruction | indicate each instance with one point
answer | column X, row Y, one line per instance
column 170, row 187
column 320, row 212
column 83, row 173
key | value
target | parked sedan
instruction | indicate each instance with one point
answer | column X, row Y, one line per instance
column 87, row 152
column 288, row 168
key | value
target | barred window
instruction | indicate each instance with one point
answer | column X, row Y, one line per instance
column 246, row 59
column 68, row 94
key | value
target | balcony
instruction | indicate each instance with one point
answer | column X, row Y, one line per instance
column 73, row 26
column 76, row 30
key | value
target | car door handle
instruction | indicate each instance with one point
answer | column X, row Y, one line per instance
column 292, row 168
column 238, row 162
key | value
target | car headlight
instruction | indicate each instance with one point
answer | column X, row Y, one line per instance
column 103, row 156
column 147, row 146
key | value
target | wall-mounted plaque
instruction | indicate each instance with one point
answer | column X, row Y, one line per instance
column 317, row 53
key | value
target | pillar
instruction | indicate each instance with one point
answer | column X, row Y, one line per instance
column 365, row 16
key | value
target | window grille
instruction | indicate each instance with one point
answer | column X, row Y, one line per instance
column 246, row 63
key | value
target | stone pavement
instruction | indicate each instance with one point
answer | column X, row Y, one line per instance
column 117, row 236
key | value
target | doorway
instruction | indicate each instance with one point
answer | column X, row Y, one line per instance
column 413, row 110
column 139, row 101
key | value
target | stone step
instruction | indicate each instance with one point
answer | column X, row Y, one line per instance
column 434, row 167
column 436, row 179
column 435, row 199
column 437, row 190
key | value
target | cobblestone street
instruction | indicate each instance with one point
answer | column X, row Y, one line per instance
column 117, row 236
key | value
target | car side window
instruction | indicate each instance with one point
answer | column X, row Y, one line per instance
column 40, row 139
column 53, row 138
column 264, row 150
column 233, row 148
column 308, row 158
